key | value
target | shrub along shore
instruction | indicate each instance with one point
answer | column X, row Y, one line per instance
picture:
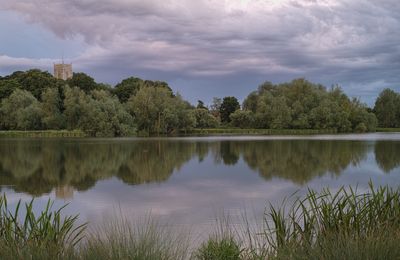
column 327, row 225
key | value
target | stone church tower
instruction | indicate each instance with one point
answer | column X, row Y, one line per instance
column 63, row 71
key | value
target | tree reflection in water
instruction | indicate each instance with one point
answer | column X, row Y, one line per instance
column 387, row 155
column 37, row 167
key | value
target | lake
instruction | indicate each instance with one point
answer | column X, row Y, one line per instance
column 190, row 181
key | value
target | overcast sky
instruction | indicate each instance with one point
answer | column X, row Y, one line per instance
column 207, row 48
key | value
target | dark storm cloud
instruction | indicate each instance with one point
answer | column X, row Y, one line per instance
column 353, row 43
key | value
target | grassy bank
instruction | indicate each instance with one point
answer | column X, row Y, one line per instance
column 47, row 133
column 388, row 129
column 325, row 225
column 239, row 131
column 193, row 132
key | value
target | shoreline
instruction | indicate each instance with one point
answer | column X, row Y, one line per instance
column 193, row 133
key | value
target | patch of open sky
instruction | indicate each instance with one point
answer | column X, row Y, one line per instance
column 23, row 39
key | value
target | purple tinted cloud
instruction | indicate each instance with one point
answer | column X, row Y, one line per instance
column 353, row 43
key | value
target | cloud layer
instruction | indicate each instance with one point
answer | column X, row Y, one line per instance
column 354, row 43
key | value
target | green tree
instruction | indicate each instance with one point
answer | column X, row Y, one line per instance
column 74, row 102
column 216, row 106
column 34, row 81
column 228, row 106
column 98, row 114
column 20, row 111
column 104, row 86
column 51, row 108
column 158, row 110
column 184, row 110
column 242, row 119
column 7, row 87
column 105, row 116
column 200, row 105
column 148, row 106
column 127, row 88
column 361, row 120
column 273, row 112
column 204, row 119
column 303, row 105
column 280, row 113
column 83, row 81
column 251, row 102
column 387, row 109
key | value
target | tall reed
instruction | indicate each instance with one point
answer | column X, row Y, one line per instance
column 32, row 235
column 325, row 222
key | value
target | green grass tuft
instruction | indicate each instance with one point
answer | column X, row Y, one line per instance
column 123, row 240
column 341, row 225
column 47, row 235
column 219, row 248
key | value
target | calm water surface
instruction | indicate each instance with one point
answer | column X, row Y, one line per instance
column 190, row 181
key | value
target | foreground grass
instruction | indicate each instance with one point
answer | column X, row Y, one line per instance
column 46, row 236
column 341, row 225
column 122, row 240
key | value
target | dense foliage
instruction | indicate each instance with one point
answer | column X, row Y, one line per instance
column 229, row 105
column 301, row 104
column 35, row 100
column 387, row 108
column 158, row 110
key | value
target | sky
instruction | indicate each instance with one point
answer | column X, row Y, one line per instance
column 210, row 48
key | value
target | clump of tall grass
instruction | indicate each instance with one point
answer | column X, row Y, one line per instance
column 224, row 243
column 121, row 239
column 45, row 236
column 219, row 248
column 341, row 225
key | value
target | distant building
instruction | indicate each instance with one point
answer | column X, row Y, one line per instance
column 63, row 71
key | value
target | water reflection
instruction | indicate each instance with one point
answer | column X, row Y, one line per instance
column 387, row 155
column 302, row 160
column 37, row 167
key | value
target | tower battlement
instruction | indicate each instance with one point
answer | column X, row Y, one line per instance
column 63, row 71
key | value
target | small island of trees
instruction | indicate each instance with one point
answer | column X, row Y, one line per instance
column 35, row 100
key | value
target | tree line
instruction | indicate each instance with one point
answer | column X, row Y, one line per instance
column 35, row 100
